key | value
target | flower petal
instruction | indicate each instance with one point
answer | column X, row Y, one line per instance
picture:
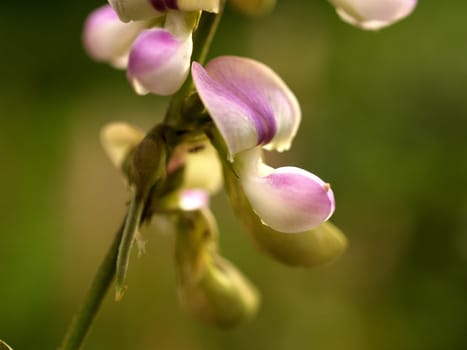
column 106, row 38
column 131, row 10
column 159, row 62
column 371, row 14
column 317, row 246
column 118, row 140
column 248, row 102
column 287, row 199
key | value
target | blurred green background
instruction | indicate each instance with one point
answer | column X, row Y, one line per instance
column 385, row 120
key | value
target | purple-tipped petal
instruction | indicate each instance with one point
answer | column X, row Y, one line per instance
column 371, row 14
column 106, row 38
column 159, row 62
column 131, row 10
column 287, row 199
column 248, row 102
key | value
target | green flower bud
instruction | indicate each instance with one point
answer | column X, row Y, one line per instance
column 253, row 7
column 317, row 246
column 210, row 287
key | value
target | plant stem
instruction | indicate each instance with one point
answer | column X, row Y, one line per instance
column 82, row 321
column 202, row 40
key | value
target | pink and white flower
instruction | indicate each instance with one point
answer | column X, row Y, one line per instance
column 159, row 60
column 253, row 109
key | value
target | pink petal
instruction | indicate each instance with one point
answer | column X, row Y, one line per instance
column 287, row 199
column 248, row 102
column 159, row 62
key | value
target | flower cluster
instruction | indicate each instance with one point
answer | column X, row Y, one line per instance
column 238, row 108
column 152, row 39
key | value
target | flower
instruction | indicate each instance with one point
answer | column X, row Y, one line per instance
column 131, row 10
column 159, row 60
column 156, row 54
column 253, row 109
column 371, row 14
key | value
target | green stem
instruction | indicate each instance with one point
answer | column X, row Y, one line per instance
column 82, row 321
column 202, row 40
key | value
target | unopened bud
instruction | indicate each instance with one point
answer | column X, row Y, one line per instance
column 149, row 160
column 210, row 287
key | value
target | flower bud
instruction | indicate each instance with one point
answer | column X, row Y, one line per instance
column 371, row 14
column 253, row 7
column 317, row 246
column 149, row 160
column 210, row 287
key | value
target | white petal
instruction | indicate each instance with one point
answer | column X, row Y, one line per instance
column 371, row 14
column 107, row 39
column 193, row 199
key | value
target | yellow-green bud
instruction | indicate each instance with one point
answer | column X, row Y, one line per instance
column 210, row 287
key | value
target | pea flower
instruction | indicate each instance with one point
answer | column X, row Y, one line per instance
column 157, row 58
column 371, row 14
column 253, row 109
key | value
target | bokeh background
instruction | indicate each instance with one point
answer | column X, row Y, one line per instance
column 385, row 120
